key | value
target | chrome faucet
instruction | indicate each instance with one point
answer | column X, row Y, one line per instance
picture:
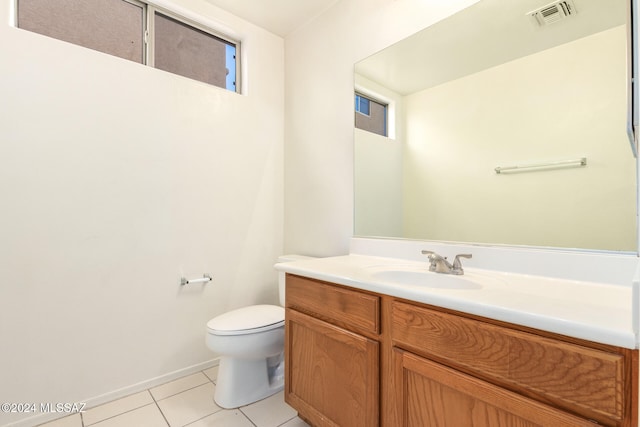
column 439, row 264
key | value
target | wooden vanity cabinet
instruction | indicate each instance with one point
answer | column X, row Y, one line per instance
column 356, row 358
column 332, row 354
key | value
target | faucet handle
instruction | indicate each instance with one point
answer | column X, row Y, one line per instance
column 432, row 257
column 457, row 265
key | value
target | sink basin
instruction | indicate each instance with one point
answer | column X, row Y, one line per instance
column 427, row 279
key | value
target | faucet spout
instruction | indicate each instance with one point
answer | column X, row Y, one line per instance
column 457, row 265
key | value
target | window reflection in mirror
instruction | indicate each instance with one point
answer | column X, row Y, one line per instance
column 370, row 115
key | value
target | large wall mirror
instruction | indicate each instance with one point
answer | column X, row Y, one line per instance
column 488, row 89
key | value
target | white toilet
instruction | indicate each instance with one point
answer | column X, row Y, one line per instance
column 250, row 342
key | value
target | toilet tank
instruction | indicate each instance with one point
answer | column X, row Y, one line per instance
column 281, row 274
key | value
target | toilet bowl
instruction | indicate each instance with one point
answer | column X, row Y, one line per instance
column 250, row 343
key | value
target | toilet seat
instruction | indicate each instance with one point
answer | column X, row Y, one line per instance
column 247, row 320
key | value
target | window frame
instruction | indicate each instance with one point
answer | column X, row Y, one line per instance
column 360, row 97
column 149, row 9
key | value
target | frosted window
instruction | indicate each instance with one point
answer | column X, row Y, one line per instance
column 187, row 51
column 115, row 27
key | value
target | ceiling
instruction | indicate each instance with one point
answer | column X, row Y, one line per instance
column 280, row 17
column 486, row 34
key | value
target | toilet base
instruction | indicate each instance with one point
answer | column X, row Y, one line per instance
column 241, row 381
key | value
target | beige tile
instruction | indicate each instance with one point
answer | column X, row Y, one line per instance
column 117, row 407
column 70, row 421
column 224, row 418
column 147, row 416
column 189, row 406
column 212, row 373
column 269, row 412
column 178, row 386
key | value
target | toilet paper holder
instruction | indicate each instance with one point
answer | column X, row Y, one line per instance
column 205, row 278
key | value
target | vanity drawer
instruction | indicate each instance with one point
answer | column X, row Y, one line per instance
column 583, row 380
column 353, row 310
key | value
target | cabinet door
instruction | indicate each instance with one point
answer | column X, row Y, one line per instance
column 331, row 374
column 431, row 394
column 574, row 377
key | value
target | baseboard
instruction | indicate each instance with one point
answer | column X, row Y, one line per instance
column 117, row 394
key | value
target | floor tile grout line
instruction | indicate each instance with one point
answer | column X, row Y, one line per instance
column 209, row 380
column 84, row 424
column 247, row 416
column 159, row 408
column 206, row 416
column 116, row 415
column 284, row 422
column 175, row 394
column 186, row 389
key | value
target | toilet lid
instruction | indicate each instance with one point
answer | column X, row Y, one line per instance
column 247, row 320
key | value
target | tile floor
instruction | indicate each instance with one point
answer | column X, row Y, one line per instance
column 187, row 401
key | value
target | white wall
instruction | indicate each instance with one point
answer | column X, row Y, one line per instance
column 115, row 180
column 563, row 103
column 319, row 110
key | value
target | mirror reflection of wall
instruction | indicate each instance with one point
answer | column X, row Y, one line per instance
column 435, row 180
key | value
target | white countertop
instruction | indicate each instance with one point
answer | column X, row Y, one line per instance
column 587, row 310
